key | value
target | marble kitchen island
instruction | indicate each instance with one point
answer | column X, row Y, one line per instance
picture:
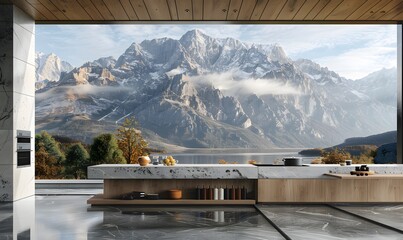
column 265, row 184
column 122, row 179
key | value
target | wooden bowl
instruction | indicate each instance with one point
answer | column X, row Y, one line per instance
column 175, row 194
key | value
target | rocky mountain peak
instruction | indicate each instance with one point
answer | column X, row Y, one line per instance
column 105, row 62
column 321, row 75
column 48, row 68
column 278, row 54
column 194, row 35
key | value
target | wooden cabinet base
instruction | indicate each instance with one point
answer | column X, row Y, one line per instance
column 330, row 190
column 99, row 200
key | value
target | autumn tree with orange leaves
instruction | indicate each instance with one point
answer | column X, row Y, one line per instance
column 130, row 140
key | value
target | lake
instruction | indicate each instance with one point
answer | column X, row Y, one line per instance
column 212, row 156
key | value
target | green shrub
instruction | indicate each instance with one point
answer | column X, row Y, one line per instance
column 105, row 150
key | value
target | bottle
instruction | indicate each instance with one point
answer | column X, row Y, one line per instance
column 198, row 193
column 215, row 193
column 211, row 192
column 238, row 193
column 221, row 193
column 244, row 192
column 232, row 193
column 204, row 193
column 226, row 193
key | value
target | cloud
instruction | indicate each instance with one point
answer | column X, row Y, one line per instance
column 357, row 63
column 229, row 86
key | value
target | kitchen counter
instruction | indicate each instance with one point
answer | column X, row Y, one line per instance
column 228, row 171
column 179, row 171
column 309, row 183
column 375, row 176
column 318, row 170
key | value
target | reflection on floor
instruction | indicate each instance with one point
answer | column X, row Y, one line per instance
column 323, row 222
column 69, row 217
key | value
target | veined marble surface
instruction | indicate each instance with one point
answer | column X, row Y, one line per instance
column 227, row 171
column 179, row 171
column 318, row 222
column 69, row 217
column 391, row 215
column 317, row 170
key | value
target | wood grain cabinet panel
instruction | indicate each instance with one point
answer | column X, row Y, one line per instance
column 330, row 190
column 346, row 190
column 385, row 190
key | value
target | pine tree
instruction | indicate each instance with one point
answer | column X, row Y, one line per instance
column 105, row 150
column 77, row 161
column 130, row 141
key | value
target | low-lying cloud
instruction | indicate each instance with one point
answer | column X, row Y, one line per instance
column 231, row 85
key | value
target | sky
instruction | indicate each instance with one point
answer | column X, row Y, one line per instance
column 352, row 51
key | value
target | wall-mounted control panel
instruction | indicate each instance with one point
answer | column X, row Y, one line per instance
column 23, row 148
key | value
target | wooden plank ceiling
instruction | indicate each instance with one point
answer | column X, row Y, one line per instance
column 212, row 10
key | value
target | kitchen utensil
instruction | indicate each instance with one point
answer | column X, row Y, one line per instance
column 292, row 161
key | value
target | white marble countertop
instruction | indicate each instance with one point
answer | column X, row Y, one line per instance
column 227, row 171
column 318, row 170
column 179, row 171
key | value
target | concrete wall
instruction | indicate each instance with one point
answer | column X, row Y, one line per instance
column 17, row 99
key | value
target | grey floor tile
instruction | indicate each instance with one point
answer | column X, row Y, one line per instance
column 388, row 214
column 322, row 222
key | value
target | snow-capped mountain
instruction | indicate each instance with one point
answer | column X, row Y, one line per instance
column 380, row 85
column 200, row 91
column 48, row 69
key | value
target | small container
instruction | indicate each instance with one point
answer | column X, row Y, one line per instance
column 144, row 160
column 198, row 193
column 210, row 193
column 244, row 193
column 215, row 193
column 233, row 197
column 226, row 193
column 221, row 193
column 238, row 193
column 175, row 194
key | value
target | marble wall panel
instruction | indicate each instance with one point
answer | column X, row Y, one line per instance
column 6, row 110
column 17, row 100
column 6, row 145
column 6, row 13
column 6, row 183
column 24, row 182
column 23, row 44
column 22, row 19
column 6, row 39
column 24, row 112
column 24, row 78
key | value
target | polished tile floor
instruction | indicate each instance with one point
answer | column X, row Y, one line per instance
column 69, row 217
column 317, row 222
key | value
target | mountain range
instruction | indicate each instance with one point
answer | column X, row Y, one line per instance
column 200, row 91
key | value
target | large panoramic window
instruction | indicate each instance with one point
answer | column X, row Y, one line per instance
column 209, row 93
